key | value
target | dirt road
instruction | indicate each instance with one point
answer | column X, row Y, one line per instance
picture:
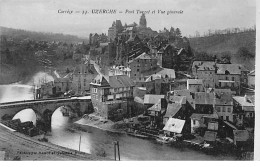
column 18, row 146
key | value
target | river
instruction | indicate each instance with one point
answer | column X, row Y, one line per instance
column 93, row 140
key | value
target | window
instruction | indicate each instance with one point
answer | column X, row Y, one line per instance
column 224, row 109
column 233, row 78
column 221, row 117
column 229, row 109
column 250, row 114
column 227, row 118
column 218, row 109
column 94, row 90
column 226, row 78
column 194, row 122
column 137, row 70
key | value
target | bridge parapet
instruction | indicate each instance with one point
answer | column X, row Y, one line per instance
column 80, row 105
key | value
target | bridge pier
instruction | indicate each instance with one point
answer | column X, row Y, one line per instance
column 44, row 109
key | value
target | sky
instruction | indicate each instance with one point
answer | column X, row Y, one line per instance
column 197, row 15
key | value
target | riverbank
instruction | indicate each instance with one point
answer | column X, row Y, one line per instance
column 21, row 147
column 99, row 123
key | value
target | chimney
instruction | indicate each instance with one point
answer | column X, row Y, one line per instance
column 245, row 98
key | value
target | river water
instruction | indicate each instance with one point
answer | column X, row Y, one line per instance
column 93, row 140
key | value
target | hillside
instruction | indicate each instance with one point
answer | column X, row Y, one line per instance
column 232, row 43
column 38, row 36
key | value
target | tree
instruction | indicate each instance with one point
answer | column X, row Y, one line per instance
column 244, row 53
column 172, row 31
column 225, row 58
column 178, row 33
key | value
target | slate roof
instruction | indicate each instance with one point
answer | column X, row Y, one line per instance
column 243, row 101
column 144, row 56
column 178, row 99
column 194, row 81
column 152, row 99
column 100, row 80
column 204, row 65
column 120, row 81
column 172, row 109
column 181, row 50
column 199, row 116
column 204, row 98
column 230, row 68
column 174, row 125
column 153, row 77
column 184, row 92
column 167, row 71
column 156, row 106
column 252, row 73
column 224, row 98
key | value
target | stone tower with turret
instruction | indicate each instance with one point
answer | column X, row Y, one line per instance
column 142, row 22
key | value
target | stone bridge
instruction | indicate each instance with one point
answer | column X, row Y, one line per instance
column 44, row 108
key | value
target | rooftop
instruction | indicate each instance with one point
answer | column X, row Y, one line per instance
column 172, row 109
column 224, row 98
column 194, row 82
column 252, row 73
column 156, row 106
column 200, row 116
column 100, row 80
column 120, row 81
column 204, row 98
column 204, row 65
column 178, row 99
column 152, row 99
column 244, row 101
column 144, row 56
column 167, row 71
column 230, row 68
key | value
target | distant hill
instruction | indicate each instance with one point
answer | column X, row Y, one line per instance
column 39, row 36
column 232, row 43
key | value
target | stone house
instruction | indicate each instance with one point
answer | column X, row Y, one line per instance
column 119, row 70
column 62, row 85
column 200, row 122
column 195, row 85
column 244, row 111
column 111, row 96
column 230, row 76
column 205, row 70
column 151, row 99
column 224, row 105
column 204, row 103
column 47, row 90
column 141, row 67
column 166, row 56
column 251, row 79
column 82, row 75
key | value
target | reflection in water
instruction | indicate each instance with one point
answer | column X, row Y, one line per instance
column 65, row 133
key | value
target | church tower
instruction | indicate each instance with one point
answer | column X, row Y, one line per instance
column 142, row 22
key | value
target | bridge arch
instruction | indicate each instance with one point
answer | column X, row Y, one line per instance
column 27, row 114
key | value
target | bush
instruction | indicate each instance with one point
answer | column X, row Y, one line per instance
column 99, row 152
